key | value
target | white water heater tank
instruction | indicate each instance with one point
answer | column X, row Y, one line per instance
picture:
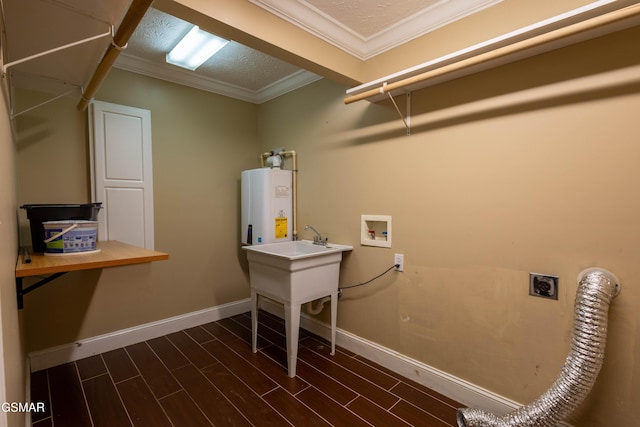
column 266, row 206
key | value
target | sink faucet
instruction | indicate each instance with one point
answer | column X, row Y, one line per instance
column 317, row 239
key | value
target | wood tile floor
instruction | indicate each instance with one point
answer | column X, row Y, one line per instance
column 208, row 375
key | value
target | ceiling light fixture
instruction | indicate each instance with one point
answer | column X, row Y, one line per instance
column 195, row 48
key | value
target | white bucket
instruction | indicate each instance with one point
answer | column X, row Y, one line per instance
column 70, row 236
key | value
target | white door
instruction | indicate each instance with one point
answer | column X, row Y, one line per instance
column 121, row 175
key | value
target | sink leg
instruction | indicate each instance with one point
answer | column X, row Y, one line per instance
column 292, row 324
column 254, row 321
column 334, row 318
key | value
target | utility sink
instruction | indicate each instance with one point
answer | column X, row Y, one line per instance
column 298, row 249
column 294, row 273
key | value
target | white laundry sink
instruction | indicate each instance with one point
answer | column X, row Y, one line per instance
column 294, row 273
column 297, row 249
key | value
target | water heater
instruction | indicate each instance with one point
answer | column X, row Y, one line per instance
column 266, row 205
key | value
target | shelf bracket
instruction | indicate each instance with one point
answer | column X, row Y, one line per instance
column 22, row 292
column 5, row 67
column 407, row 120
column 62, row 95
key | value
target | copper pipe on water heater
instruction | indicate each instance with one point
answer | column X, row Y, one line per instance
column 294, row 189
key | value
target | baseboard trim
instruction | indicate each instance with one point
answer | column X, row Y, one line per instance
column 55, row 356
column 453, row 387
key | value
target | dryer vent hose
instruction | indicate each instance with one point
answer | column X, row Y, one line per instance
column 596, row 290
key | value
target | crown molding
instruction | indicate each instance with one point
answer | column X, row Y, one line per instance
column 323, row 26
column 194, row 80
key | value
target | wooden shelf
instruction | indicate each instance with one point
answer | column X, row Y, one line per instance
column 112, row 253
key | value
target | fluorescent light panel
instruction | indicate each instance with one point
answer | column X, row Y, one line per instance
column 195, row 48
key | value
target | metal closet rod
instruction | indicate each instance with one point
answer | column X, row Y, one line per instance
column 555, row 35
column 129, row 23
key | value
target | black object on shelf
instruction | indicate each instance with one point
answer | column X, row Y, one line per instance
column 39, row 213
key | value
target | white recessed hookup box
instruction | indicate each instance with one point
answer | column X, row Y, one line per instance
column 375, row 230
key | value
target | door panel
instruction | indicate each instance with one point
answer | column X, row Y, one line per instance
column 126, row 215
column 122, row 177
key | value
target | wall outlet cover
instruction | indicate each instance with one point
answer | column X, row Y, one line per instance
column 543, row 285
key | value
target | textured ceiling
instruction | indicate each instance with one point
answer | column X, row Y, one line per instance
column 245, row 72
column 362, row 28
column 368, row 18
column 234, row 64
column 366, row 28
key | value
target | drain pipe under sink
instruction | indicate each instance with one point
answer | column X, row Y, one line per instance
column 596, row 290
column 316, row 310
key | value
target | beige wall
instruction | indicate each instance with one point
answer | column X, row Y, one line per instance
column 524, row 168
column 201, row 142
column 530, row 167
column 12, row 374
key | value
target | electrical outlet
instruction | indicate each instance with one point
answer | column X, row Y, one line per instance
column 543, row 285
column 398, row 260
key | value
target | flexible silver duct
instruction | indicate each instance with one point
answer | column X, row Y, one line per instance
column 596, row 290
